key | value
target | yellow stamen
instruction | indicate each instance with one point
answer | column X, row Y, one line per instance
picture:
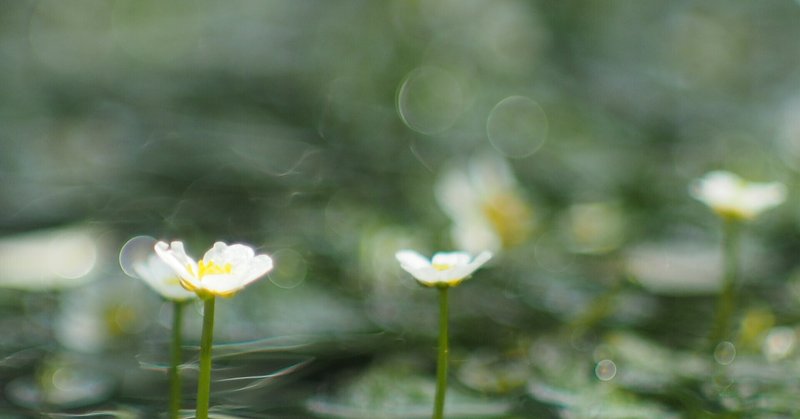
column 188, row 285
column 441, row 267
column 211, row 268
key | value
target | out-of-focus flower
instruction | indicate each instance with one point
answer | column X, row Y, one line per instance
column 445, row 269
column 779, row 343
column 485, row 204
column 596, row 227
column 53, row 259
column 732, row 197
column 138, row 260
column 223, row 271
column 678, row 267
column 105, row 314
column 162, row 279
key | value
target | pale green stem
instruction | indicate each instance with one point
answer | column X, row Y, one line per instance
column 441, row 366
column 204, row 380
column 727, row 297
column 175, row 360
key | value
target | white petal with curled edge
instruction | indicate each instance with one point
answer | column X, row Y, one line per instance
column 174, row 256
column 162, row 278
column 239, row 256
column 456, row 195
column 257, row 268
column 410, row 259
column 216, row 254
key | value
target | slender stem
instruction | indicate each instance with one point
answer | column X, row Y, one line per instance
column 727, row 297
column 599, row 309
column 204, row 380
column 175, row 360
column 441, row 366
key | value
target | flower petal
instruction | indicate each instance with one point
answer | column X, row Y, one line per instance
column 456, row 195
column 216, row 254
column 237, row 255
column 257, row 268
column 479, row 260
column 162, row 279
column 462, row 271
column 759, row 197
column 730, row 196
column 192, row 285
column 448, row 267
column 223, row 285
column 410, row 259
column 717, row 188
column 490, row 174
column 174, row 256
column 428, row 276
column 451, row 259
column 475, row 234
column 142, row 269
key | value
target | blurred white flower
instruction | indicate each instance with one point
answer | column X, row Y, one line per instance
column 223, row 271
column 676, row 267
column 446, row 269
column 779, row 343
column 72, row 256
column 734, row 198
column 162, row 279
column 485, row 204
column 138, row 260
column 106, row 314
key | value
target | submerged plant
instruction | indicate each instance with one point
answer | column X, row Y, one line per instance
column 734, row 200
column 443, row 271
column 223, row 271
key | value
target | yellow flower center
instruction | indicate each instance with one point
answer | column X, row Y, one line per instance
column 510, row 217
column 732, row 213
column 210, row 268
column 441, row 266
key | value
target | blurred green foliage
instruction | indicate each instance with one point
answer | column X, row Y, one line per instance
column 317, row 131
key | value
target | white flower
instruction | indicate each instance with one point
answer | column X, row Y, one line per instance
column 485, row 204
column 444, row 269
column 223, row 271
column 161, row 278
column 735, row 198
column 138, row 260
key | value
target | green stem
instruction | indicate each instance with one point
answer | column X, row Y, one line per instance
column 727, row 297
column 204, row 380
column 175, row 360
column 598, row 310
column 441, row 366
